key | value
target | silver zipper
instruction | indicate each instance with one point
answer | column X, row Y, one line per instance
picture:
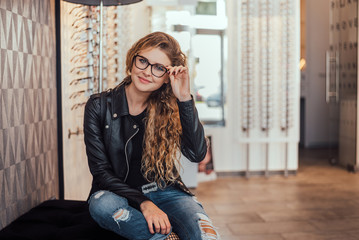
column 128, row 165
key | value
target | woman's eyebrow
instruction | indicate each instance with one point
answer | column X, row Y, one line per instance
column 149, row 61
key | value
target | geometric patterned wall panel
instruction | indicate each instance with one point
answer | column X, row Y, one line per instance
column 28, row 120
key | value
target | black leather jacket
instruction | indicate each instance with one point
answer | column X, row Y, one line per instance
column 109, row 147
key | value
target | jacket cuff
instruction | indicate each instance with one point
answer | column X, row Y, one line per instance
column 185, row 104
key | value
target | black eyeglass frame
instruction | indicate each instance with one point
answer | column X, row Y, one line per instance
column 149, row 64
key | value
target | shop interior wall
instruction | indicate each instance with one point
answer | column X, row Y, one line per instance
column 28, row 119
column 318, row 121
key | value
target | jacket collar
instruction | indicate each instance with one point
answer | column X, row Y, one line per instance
column 119, row 102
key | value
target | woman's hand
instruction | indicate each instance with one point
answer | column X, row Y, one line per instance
column 156, row 218
column 179, row 78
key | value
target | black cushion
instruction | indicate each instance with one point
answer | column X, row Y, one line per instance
column 57, row 220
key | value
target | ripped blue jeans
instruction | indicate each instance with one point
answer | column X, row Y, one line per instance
column 187, row 216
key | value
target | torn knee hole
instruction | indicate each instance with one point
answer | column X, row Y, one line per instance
column 121, row 215
column 207, row 229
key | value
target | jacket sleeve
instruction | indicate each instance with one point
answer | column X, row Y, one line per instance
column 193, row 144
column 99, row 164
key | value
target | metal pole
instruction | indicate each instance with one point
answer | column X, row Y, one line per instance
column 266, row 173
column 286, row 157
column 100, row 63
column 327, row 76
column 337, row 76
column 248, row 156
column 222, row 75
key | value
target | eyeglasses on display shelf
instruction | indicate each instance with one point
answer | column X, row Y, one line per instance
column 79, row 22
column 247, row 68
column 80, row 80
column 76, row 94
column 85, row 54
column 287, row 75
column 265, row 85
column 84, row 34
column 85, row 57
column 265, row 58
column 287, row 59
column 246, row 76
column 78, row 105
column 78, row 10
column 84, row 46
column 82, row 69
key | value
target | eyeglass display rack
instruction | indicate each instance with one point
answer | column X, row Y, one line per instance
column 265, row 74
column 269, row 85
column 247, row 58
column 84, row 49
column 84, row 54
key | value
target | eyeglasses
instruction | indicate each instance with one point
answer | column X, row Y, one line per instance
column 157, row 70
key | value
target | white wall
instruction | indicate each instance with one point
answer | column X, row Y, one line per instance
column 223, row 138
column 318, row 131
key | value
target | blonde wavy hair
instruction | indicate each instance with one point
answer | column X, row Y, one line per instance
column 162, row 139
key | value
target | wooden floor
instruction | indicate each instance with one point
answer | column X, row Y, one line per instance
column 320, row 202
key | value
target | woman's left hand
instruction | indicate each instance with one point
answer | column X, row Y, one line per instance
column 179, row 78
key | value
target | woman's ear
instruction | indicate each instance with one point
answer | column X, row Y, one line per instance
column 167, row 80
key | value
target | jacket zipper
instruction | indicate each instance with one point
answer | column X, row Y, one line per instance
column 128, row 164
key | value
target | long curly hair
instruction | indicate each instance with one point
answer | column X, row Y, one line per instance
column 160, row 157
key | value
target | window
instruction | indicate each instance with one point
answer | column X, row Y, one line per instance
column 209, row 87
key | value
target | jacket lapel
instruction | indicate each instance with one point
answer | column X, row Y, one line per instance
column 119, row 102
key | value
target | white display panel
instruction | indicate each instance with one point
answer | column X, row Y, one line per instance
column 268, row 85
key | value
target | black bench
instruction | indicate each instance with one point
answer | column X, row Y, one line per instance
column 57, row 220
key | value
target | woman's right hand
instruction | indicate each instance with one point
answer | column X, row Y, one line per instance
column 156, row 218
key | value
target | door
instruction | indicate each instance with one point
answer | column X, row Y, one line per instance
column 342, row 59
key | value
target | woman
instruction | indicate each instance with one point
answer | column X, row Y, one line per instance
column 133, row 148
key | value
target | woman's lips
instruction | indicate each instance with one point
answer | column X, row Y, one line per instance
column 143, row 80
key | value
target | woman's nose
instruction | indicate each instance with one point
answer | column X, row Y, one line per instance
column 147, row 71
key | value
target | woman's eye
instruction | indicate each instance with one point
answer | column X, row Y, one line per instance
column 142, row 60
column 160, row 68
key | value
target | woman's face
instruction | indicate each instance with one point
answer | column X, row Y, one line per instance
column 144, row 80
